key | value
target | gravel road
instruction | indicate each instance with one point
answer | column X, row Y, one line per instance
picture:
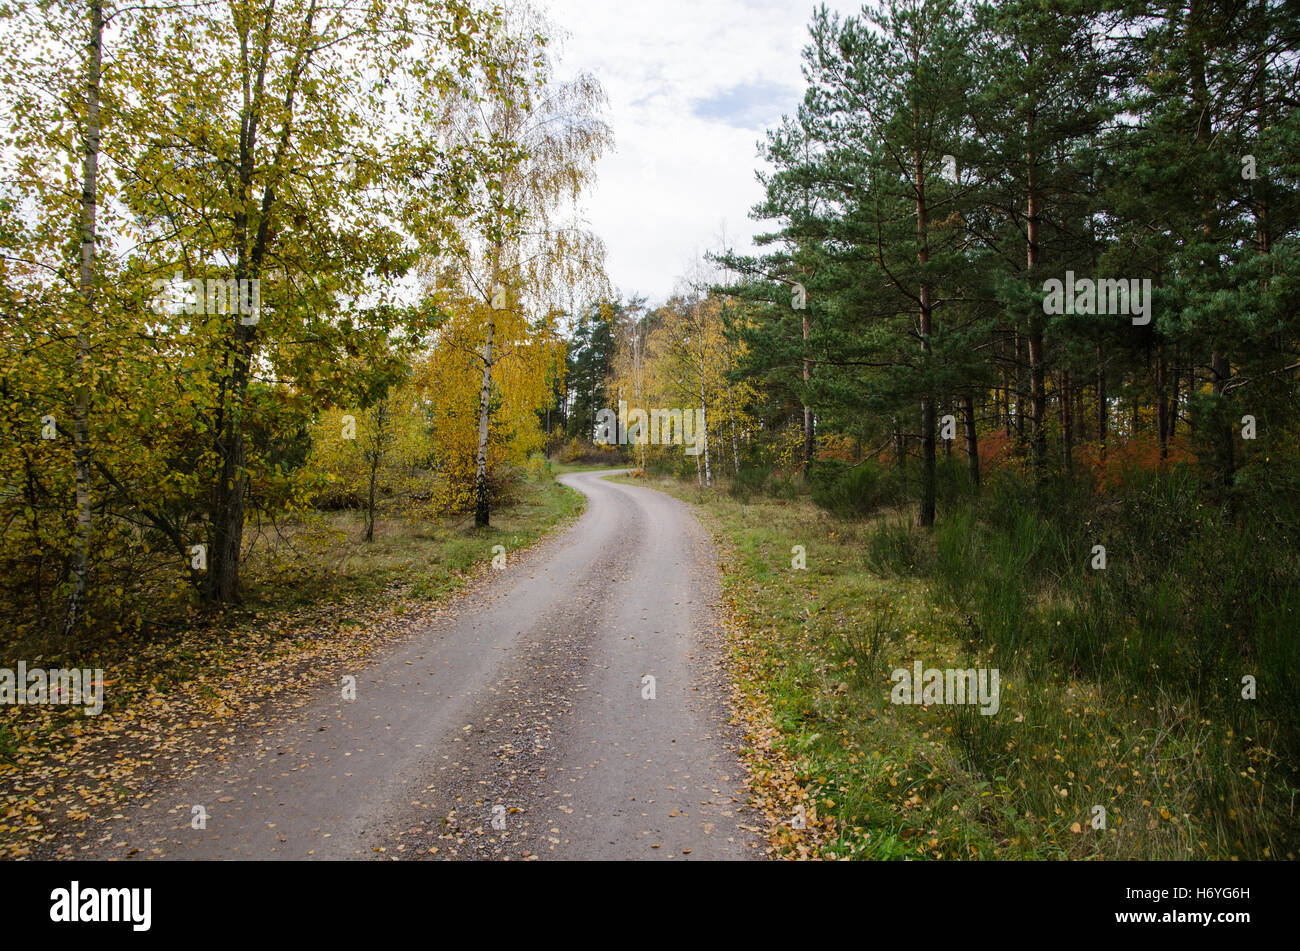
column 521, row 723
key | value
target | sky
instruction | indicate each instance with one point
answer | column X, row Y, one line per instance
column 692, row 87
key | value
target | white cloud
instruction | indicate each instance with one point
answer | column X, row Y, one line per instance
column 692, row 86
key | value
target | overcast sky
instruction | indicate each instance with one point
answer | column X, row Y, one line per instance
column 692, row 86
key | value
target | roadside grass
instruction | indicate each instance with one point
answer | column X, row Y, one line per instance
column 424, row 558
column 1177, row 777
column 564, row 468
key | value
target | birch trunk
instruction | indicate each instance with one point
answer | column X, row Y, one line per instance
column 86, row 282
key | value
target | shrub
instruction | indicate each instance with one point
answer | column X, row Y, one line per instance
column 852, row 491
column 749, row 481
column 575, row 451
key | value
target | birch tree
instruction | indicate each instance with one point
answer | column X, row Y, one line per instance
column 524, row 250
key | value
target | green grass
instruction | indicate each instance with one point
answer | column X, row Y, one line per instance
column 564, row 468
column 424, row 557
column 1084, row 721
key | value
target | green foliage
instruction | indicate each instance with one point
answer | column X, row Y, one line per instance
column 749, row 481
column 852, row 491
column 1164, row 615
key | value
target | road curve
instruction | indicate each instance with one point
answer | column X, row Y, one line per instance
column 520, row 723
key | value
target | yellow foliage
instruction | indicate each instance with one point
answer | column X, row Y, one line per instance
column 450, row 376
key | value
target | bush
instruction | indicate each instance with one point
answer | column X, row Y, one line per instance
column 749, row 481
column 784, row 487
column 538, row 467
column 893, row 548
column 504, row 483
column 575, row 451
column 852, row 492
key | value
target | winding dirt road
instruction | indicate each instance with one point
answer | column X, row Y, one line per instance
column 519, row 724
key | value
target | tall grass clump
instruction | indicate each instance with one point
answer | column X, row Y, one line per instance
column 1198, row 602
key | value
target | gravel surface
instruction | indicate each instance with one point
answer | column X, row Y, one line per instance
column 517, row 724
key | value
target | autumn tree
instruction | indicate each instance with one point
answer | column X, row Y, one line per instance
column 523, row 249
column 261, row 168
